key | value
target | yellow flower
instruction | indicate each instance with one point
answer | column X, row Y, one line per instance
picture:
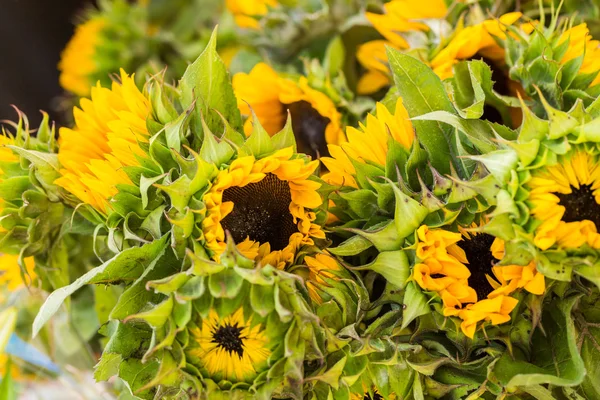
column 266, row 207
column 246, row 12
column 10, row 272
column 564, row 198
column 369, row 144
column 108, row 130
column 315, row 119
column 580, row 42
column 400, row 16
column 460, row 269
column 477, row 40
column 231, row 348
column 320, row 268
column 77, row 63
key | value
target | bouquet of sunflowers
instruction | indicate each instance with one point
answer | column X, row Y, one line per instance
column 331, row 200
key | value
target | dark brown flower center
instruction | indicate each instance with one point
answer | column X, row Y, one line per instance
column 479, row 254
column 229, row 338
column 376, row 396
column 261, row 211
column 580, row 204
column 309, row 129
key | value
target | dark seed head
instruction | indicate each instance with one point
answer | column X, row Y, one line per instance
column 479, row 254
column 261, row 212
column 580, row 204
column 229, row 338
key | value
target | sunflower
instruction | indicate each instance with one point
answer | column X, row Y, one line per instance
column 581, row 43
column 77, row 63
column 476, row 41
column 315, row 118
column 10, row 272
column 246, row 12
column 265, row 204
column 460, row 269
column 400, row 17
column 368, row 144
column 108, row 131
column 565, row 200
column 231, row 347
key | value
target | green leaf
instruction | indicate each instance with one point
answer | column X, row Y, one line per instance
column 107, row 367
column 125, row 265
column 392, row 265
column 137, row 295
column 156, row 316
column 351, row 247
column 206, row 81
column 555, row 358
column 137, row 374
column 423, row 92
column 415, row 303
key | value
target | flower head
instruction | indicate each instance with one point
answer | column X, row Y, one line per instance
column 78, row 64
column 109, row 128
column 368, row 144
column 316, row 121
column 460, row 269
column 265, row 205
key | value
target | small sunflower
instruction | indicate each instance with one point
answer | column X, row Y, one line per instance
column 108, row 131
column 247, row 12
column 581, row 43
column 400, row 17
column 315, row 118
column 565, row 200
column 10, row 272
column 475, row 41
column 231, row 347
column 77, row 63
column 266, row 205
column 460, row 269
column 368, row 144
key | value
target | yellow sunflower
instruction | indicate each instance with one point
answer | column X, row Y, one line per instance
column 231, row 348
column 10, row 272
column 460, row 269
column 246, row 12
column 77, row 61
column 400, row 16
column 316, row 121
column 266, row 207
column 565, row 199
column 108, row 130
column 320, row 267
column 477, row 40
column 368, row 144
column 580, row 42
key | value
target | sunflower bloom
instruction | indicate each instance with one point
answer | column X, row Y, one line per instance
column 565, row 199
column 581, row 43
column 477, row 40
column 108, row 131
column 231, row 348
column 315, row 119
column 368, row 144
column 77, row 63
column 10, row 272
column 266, row 207
column 400, row 16
column 246, row 12
column 460, row 269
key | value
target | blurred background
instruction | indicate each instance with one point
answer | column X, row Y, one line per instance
column 33, row 33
